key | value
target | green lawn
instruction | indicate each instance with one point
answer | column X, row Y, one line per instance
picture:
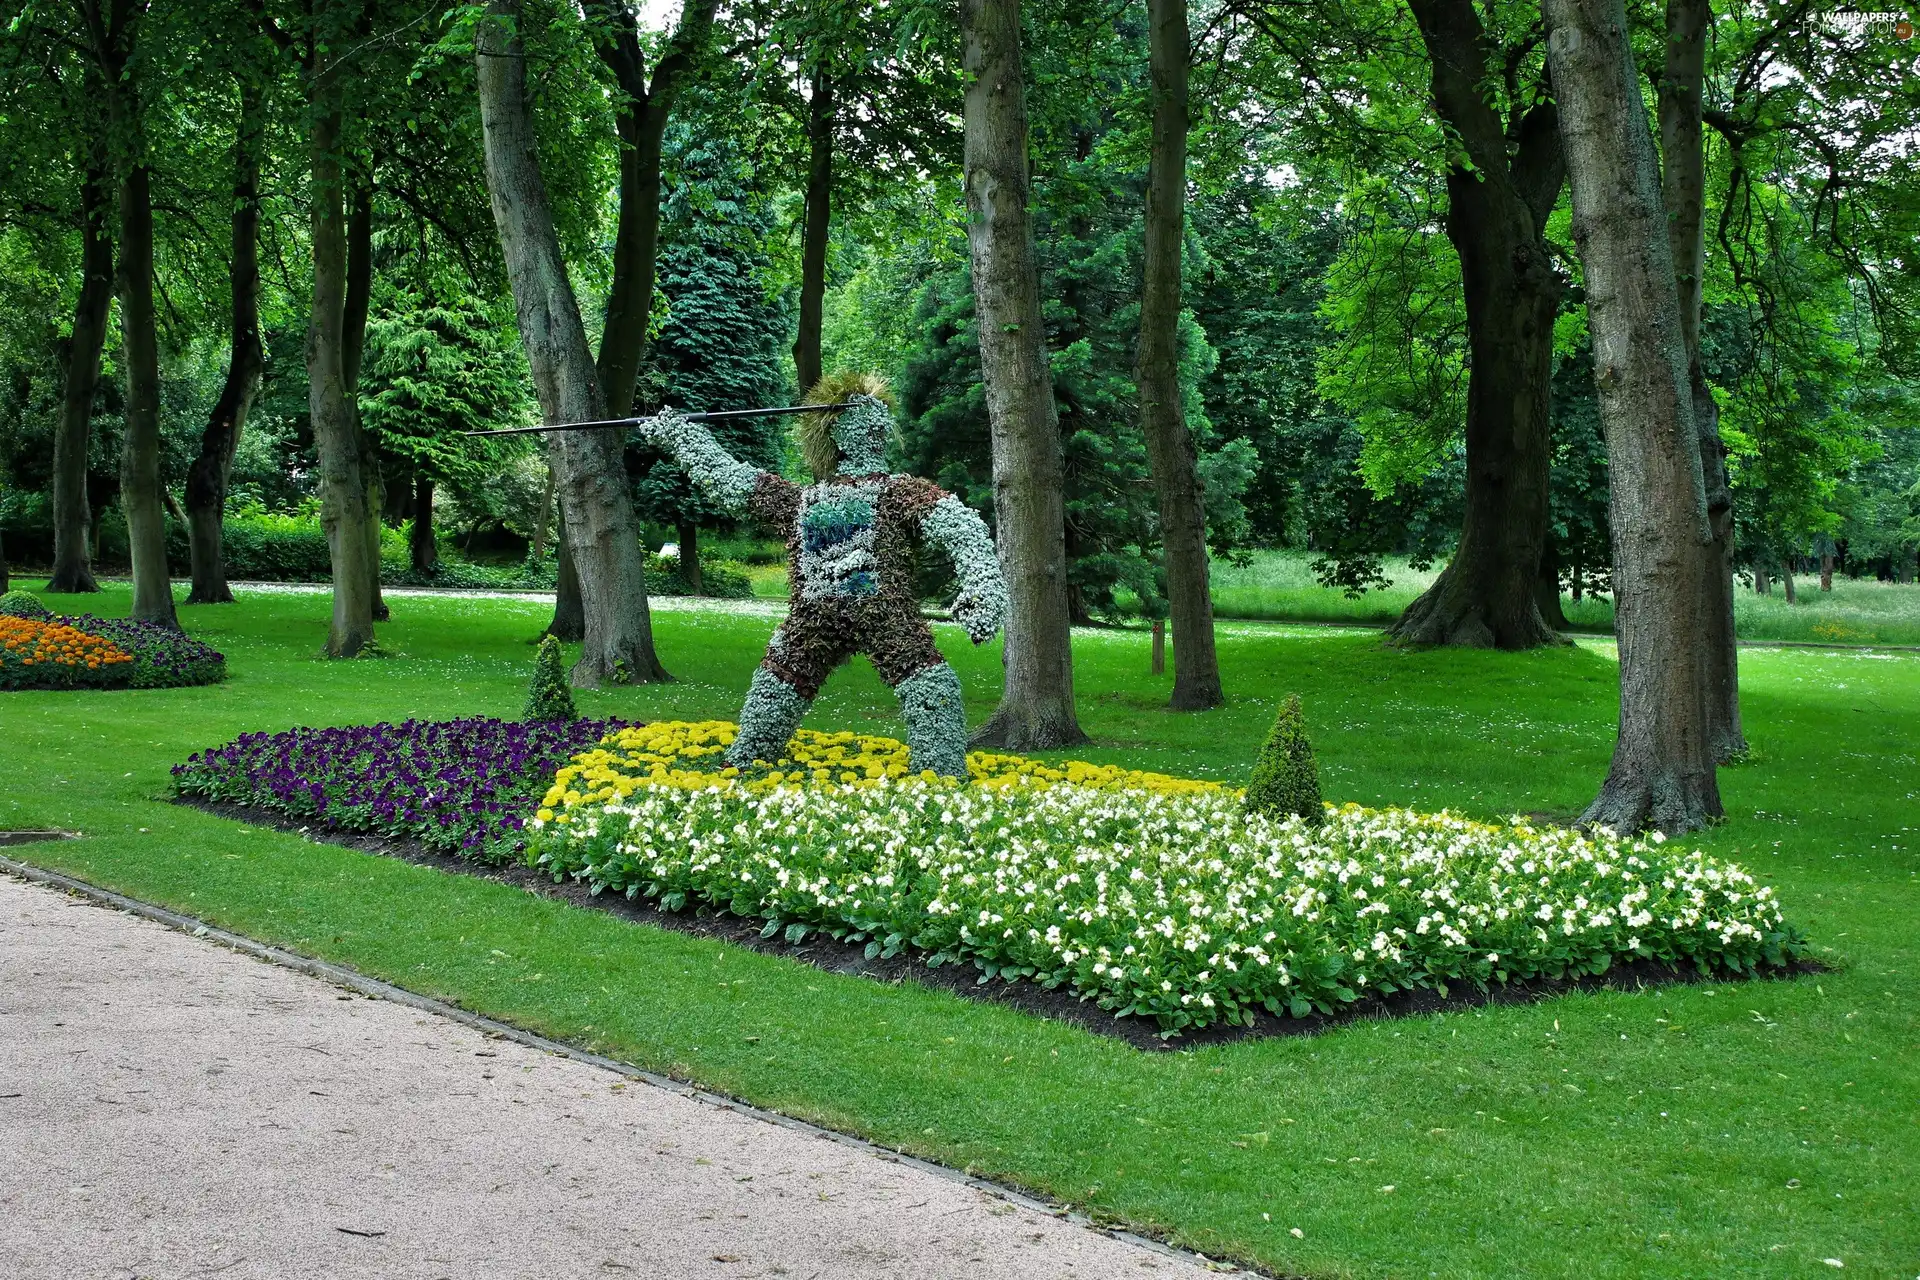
column 1716, row 1130
column 1279, row 585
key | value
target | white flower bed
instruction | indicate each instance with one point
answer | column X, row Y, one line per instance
column 1182, row 907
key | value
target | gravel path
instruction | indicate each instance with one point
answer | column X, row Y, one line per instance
column 172, row 1109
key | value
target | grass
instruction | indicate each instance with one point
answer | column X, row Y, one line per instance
column 1715, row 1129
column 1280, row 586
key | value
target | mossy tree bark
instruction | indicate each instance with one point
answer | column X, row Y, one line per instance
column 1170, row 447
column 72, row 517
column 1662, row 773
column 1500, row 192
column 208, row 474
column 353, row 345
column 1036, row 708
column 600, row 528
column 1683, row 192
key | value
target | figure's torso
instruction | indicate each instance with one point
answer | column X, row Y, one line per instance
column 836, row 539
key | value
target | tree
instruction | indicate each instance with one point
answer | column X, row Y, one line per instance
column 1503, row 179
column 1662, row 773
column 1036, row 708
column 72, row 517
column 207, row 477
column 1170, row 446
column 600, row 528
column 112, row 29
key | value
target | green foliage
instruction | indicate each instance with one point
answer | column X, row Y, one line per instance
column 719, row 579
column 1286, row 780
column 549, row 696
column 23, row 604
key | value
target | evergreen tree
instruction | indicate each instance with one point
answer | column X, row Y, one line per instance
column 548, row 694
column 1286, row 781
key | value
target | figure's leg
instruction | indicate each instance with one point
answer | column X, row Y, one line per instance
column 936, row 720
column 802, row 654
column 769, row 716
column 902, row 649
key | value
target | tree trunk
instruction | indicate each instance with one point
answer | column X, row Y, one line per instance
column 1762, row 584
column 543, row 522
column 569, row 614
column 600, row 528
column 1547, row 589
column 1786, row 579
column 641, row 119
column 1036, row 706
column 1909, row 568
column 353, row 337
column 1663, row 763
column 1826, row 572
column 1499, row 195
column 818, row 223
column 1170, row 447
column 1683, row 195
column 689, row 535
column 72, row 518
column 140, row 497
column 422, row 548
column 208, row 475
column 344, row 513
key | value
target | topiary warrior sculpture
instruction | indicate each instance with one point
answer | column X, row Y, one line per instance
column 850, row 541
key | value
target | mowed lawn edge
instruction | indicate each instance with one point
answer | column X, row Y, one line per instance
column 1516, row 1140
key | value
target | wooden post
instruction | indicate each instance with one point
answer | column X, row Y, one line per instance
column 1159, row 646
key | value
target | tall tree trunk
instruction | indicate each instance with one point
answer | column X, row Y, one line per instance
column 208, row 475
column 1547, row 588
column 1683, row 193
column 1036, row 705
column 140, row 497
column 1499, row 196
column 353, row 340
column 641, row 119
column 1826, row 572
column 1909, row 567
column 818, row 223
column 72, row 518
column 1663, row 763
column 422, row 549
column 569, row 613
column 601, row 530
column 1786, row 579
column 1762, row 583
column 1170, row 447
column 344, row 513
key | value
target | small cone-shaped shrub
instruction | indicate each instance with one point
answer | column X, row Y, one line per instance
column 1286, row 780
column 548, row 697
column 23, row 604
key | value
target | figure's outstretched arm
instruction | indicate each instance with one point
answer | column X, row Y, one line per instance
column 958, row 530
column 721, row 478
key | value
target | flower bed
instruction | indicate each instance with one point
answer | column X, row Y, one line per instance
column 1155, row 897
column 85, row 652
column 463, row 787
column 53, row 654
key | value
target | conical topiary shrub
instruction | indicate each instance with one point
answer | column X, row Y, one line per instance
column 548, row 697
column 1286, row 781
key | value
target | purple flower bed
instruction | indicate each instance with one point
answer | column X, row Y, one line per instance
column 162, row 657
column 464, row 787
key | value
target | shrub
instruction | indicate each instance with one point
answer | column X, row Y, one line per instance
column 548, row 697
column 23, row 604
column 462, row 787
column 719, row 579
column 1286, row 781
column 1183, row 907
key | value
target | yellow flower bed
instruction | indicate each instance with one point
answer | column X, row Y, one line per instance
column 691, row 755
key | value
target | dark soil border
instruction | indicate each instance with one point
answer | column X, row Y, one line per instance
column 824, row 952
